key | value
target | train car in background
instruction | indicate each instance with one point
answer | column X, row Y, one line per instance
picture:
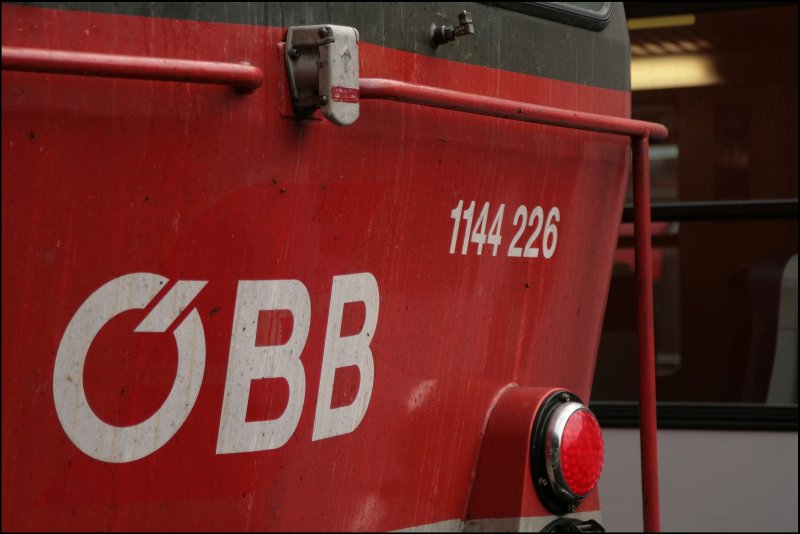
column 723, row 77
column 308, row 266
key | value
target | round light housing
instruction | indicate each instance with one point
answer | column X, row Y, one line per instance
column 566, row 452
column 574, row 450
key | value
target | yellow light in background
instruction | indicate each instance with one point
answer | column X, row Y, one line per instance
column 673, row 71
column 649, row 23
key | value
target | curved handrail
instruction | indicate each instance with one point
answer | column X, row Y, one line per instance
column 247, row 78
column 378, row 88
column 243, row 77
column 640, row 133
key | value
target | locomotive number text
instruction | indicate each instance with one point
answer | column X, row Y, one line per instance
column 536, row 233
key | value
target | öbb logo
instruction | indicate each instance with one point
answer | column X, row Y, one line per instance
column 247, row 362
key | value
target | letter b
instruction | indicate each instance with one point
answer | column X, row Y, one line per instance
column 347, row 351
column 248, row 362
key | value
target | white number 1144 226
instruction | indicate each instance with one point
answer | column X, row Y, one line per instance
column 544, row 230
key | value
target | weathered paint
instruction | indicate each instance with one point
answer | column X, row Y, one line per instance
column 504, row 39
column 103, row 178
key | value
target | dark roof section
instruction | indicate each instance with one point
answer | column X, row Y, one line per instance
column 504, row 39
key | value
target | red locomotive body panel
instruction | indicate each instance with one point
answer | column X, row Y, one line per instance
column 109, row 185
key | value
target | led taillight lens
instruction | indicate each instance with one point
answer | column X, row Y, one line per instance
column 566, row 452
column 581, row 452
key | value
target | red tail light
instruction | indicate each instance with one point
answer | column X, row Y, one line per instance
column 566, row 452
column 581, row 452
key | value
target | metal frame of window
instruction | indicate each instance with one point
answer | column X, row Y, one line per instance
column 563, row 12
column 700, row 416
column 731, row 210
column 697, row 415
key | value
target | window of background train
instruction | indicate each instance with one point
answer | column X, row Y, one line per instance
column 724, row 190
column 591, row 15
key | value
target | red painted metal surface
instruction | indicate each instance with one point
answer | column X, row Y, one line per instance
column 243, row 77
column 104, row 179
column 502, row 487
column 640, row 133
column 508, row 109
column 645, row 333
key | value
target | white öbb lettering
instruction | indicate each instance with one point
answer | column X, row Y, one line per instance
column 247, row 362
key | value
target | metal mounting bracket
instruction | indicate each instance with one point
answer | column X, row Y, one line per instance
column 322, row 66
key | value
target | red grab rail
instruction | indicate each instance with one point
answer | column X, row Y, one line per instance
column 381, row 89
column 248, row 78
column 645, row 332
column 640, row 133
column 243, row 77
